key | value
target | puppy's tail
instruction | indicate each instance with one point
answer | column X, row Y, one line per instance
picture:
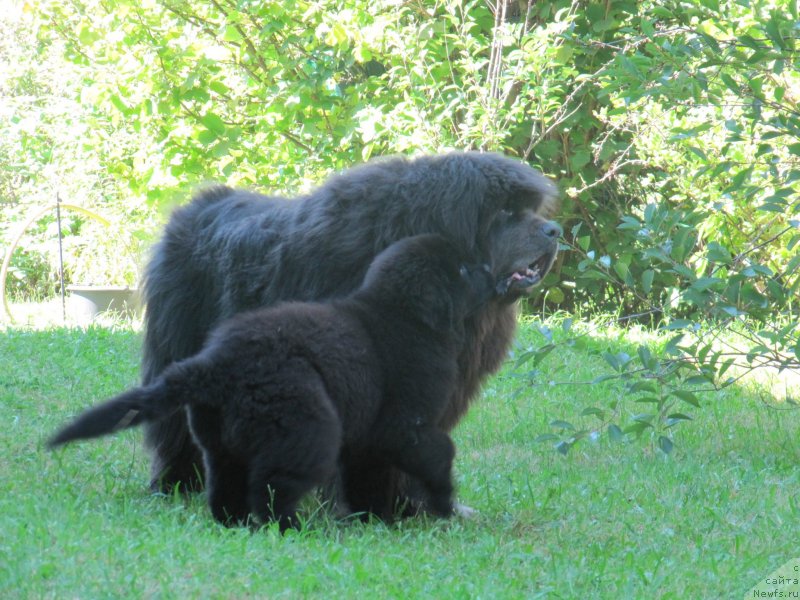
column 131, row 408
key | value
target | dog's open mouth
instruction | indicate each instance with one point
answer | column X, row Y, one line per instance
column 523, row 279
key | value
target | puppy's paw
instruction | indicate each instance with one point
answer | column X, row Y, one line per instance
column 462, row 511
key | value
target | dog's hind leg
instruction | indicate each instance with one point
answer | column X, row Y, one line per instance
column 176, row 461
column 427, row 453
column 227, row 489
column 367, row 482
column 226, row 475
column 291, row 462
column 275, row 490
column 274, row 496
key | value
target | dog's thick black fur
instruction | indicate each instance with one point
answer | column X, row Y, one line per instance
column 276, row 394
column 230, row 251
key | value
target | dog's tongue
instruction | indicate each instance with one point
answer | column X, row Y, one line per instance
column 522, row 279
column 528, row 274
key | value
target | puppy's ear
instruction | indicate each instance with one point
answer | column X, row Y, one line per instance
column 482, row 285
column 436, row 308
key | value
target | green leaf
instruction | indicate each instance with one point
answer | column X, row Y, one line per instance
column 629, row 222
column 566, row 325
column 687, row 397
column 730, row 83
column 579, row 159
column 603, row 378
column 647, row 280
column 221, row 149
column 559, row 424
column 641, row 385
column 637, row 428
column 703, row 283
column 213, row 123
column 591, row 410
column 564, row 54
column 88, row 36
column 232, row 34
column 671, row 348
column 665, row 444
column 644, row 418
column 615, row 433
column 535, row 356
column 206, row 137
column 678, row 324
column 219, row 87
column 563, row 447
column 362, row 53
column 718, row 254
column 740, row 178
column 555, row 295
column 773, row 31
column 775, row 207
column 698, row 153
column 119, row 104
column 648, row 400
column 617, row 361
column 675, row 418
column 646, row 357
column 541, row 353
column 749, row 42
column 662, row 12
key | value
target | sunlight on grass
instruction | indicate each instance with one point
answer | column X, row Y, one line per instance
column 41, row 315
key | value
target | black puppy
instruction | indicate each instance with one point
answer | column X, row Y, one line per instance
column 277, row 395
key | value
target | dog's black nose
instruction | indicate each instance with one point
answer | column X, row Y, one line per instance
column 551, row 229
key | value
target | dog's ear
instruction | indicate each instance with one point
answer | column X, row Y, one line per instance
column 530, row 189
column 436, row 308
column 482, row 285
column 514, row 185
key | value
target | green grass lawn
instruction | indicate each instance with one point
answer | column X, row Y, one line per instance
column 608, row 520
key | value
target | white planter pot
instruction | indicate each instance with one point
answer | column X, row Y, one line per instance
column 88, row 301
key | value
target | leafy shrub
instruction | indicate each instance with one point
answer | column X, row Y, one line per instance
column 673, row 128
column 55, row 143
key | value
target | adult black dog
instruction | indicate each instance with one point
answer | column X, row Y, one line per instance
column 230, row 251
column 276, row 394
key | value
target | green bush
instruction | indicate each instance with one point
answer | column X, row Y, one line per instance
column 55, row 143
column 672, row 127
